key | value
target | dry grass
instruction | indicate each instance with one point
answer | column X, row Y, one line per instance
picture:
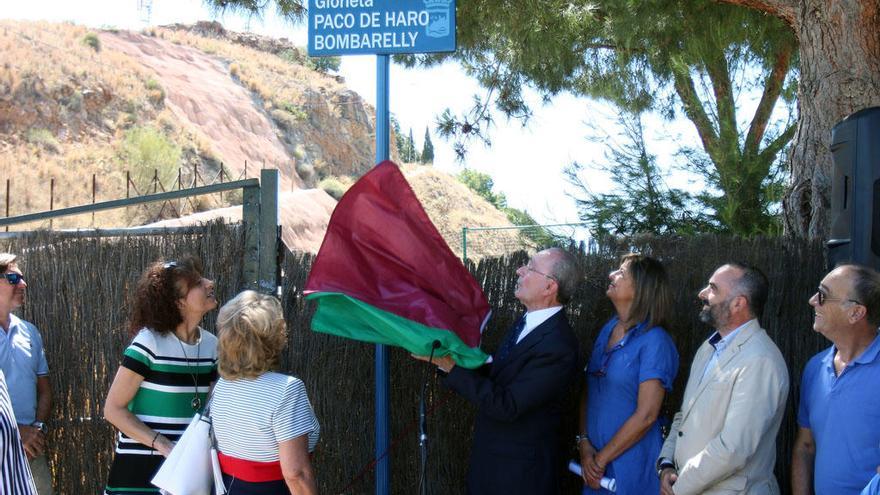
column 65, row 110
column 451, row 206
column 277, row 80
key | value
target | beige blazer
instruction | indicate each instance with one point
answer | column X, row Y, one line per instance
column 723, row 440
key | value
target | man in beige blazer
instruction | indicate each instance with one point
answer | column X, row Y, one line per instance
column 723, row 440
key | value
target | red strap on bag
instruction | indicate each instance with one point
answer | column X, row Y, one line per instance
column 253, row 471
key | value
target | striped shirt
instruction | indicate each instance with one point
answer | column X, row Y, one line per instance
column 15, row 474
column 252, row 416
column 176, row 375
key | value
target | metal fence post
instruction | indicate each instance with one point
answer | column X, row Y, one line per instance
column 250, row 219
column 464, row 244
column 267, row 281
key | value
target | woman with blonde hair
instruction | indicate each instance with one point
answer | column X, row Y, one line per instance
column 263, row 420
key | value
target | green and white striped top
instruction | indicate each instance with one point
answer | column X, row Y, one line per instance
column 177, row 377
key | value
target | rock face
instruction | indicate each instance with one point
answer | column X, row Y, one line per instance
column 203, row 96
column 327, row 128
column 213, row 29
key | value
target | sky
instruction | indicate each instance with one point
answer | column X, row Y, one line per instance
column 525, row 163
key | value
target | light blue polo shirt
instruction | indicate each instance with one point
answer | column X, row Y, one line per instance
column 22, row 360
column 843, row 413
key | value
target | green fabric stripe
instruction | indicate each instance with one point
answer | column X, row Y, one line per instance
column 173, row 368
column 164, row 404
column 134, row 354
column 176, row 368
column 341, row 315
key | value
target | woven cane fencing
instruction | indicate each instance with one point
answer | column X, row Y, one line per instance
column 78, row 291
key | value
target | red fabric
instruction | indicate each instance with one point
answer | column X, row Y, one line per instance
column 252, row 471
column 382, row 249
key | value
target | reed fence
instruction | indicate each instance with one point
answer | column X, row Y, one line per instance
column 78, row 297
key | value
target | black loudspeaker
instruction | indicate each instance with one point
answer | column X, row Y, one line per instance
column 855, row 190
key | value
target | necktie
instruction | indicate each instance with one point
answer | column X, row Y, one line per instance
column 512, row 337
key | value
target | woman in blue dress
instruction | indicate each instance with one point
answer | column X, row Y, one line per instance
column 632, row 367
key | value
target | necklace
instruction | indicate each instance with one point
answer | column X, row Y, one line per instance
column 196, row 401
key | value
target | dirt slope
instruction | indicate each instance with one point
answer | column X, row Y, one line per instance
column 201, row 93
column 303, row 215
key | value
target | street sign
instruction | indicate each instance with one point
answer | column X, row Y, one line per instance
column 380, row 27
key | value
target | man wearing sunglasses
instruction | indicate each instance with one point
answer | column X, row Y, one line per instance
column 27, row 374
column 723, row 440
column 838, row 443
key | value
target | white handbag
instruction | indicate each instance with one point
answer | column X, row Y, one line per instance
column 192, row 468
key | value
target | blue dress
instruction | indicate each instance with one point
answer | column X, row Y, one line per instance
column 873, row 487
column 613, row 380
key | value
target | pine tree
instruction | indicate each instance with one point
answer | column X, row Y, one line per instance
column 399, row 140
column 642, row 202
column 410, row 148
column 427, row 149
column 693, row 58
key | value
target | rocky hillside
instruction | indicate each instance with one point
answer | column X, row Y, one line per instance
column 107, row 113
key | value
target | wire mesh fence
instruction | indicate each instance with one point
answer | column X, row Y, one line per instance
column 78, row 297
column 480, row 242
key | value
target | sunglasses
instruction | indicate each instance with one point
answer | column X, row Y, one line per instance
column 822, row 298
column 13, row 278
column 603, row 370
column 168, row 265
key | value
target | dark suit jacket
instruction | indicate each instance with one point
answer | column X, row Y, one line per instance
column 520, row 400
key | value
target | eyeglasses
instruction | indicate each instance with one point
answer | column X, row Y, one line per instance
column 606, row 358
column 551, row 277
column 169, row 265
column 13, row 278
column 822, row 298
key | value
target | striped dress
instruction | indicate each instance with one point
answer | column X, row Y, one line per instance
column 174, row 374
column 15, row 474
column 251, row 417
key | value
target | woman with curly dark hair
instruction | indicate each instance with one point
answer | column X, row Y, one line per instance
column 166, row 371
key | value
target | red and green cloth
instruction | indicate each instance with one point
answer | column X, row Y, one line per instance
column 385, row 275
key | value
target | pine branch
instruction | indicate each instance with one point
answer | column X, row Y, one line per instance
column 773, row 86
column 787, row 10
column 722, row 88
column 693, row 108
column 778, row 143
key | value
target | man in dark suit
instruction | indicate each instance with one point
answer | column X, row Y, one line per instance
column 520, row 391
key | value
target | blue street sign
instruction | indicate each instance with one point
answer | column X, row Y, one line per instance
column 378, row 27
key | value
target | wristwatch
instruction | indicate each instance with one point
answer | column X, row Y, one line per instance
column 663, row 464
column 40, row 426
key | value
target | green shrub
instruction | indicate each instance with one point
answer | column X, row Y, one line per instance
column 146, row 150
column 324, row 64
column 155, row 91
column 75, row 102
column 334, row 187
column 42, row 137
column 292, row 56
column 293, row 109
column 92, row 40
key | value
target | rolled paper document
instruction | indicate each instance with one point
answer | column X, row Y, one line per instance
column 609, row 484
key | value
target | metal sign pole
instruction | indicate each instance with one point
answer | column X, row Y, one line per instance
column 381, row 28
column 383, row 381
